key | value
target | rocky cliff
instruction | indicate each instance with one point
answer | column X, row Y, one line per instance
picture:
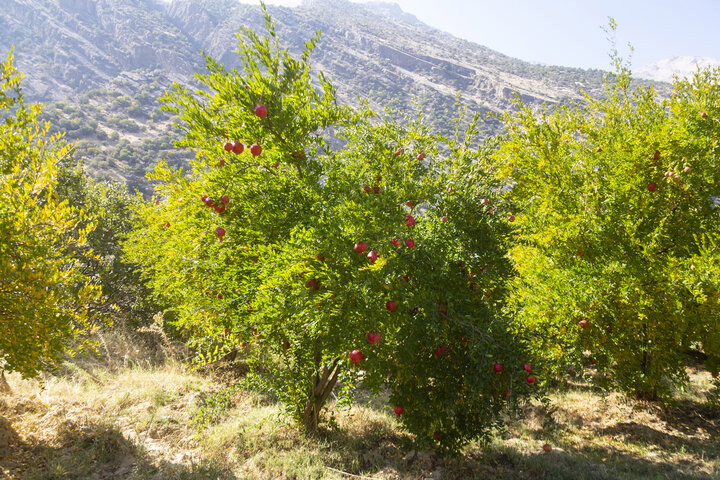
column 86, row 52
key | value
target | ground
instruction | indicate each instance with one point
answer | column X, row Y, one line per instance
column 137, row 421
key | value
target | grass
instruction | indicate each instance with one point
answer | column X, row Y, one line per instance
column 136, row 423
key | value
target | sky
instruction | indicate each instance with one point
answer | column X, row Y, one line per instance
column 569, row 32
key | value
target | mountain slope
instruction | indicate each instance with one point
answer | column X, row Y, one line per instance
column 377, row 51
column 66, row 46
column 108, row 60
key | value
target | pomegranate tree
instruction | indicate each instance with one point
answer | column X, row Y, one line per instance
column 333, row 261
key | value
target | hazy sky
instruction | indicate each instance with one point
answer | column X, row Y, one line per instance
column 568, row 32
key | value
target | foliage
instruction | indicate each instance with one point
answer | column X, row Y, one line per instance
column 110, row 207
column 262, row 254
column 214, row 406
column 617, row 227
column 44, row 294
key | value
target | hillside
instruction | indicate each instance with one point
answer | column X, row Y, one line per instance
column 105, row 62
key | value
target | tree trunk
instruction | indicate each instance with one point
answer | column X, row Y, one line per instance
column 645, row 352
column 4, row 387
column 323, row 385
column 644, row 393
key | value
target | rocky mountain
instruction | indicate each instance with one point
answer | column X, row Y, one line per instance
column 67, row 46
column 683, row 67
column 104, row 63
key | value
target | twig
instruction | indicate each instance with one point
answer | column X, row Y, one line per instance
column 466, row 325
column 249, row 165
column 351, row 474
column 284, row 142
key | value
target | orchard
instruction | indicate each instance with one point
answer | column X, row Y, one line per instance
column 335, row 250
column 340, row 249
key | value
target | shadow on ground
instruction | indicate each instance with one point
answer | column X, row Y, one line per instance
column 688, row 415
column 91, row 451
column 645, row 453
column 596, row 463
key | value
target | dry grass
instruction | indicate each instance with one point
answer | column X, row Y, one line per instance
column 135, row 423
